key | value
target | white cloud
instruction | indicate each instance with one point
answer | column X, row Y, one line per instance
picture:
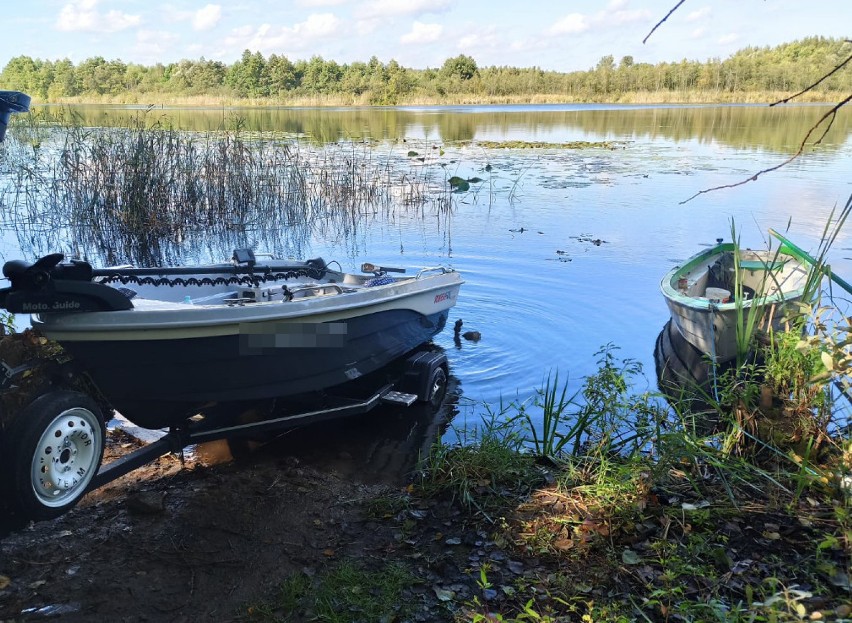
column 624, row 17
column 699, row 14
column 154, row 45
column 422, row 33
column 267, row 39
column 729, row 38
column 321, row 3
column 318, row 25
column 572, row 23
column 698, row 32
column 83, row 16
column 390, row 8
column 206, row 18
column 478, row 39
column 613, row 15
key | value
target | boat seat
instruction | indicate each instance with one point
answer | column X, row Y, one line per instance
column 760, row 265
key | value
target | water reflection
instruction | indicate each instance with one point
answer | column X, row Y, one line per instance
column 155, row 196
column 777, row 129
column 386, row 445
column 685, row 376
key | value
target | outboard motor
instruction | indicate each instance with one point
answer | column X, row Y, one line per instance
column 11, row 101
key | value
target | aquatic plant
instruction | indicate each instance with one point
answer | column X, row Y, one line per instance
column 592, row 419
column 139, row 194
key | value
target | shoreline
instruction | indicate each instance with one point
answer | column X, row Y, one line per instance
column 650, row 98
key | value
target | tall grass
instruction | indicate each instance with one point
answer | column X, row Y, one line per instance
column 591, row 420
column 139, row 193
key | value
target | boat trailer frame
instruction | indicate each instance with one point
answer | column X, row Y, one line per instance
column 417, row 378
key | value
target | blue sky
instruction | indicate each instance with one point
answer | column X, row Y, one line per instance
column 565, row 35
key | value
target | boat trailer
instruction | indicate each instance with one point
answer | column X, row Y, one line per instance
column 420, row 377
column 424, row 380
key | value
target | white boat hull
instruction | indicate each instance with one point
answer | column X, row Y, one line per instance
column 160, row 342
column 774, row 280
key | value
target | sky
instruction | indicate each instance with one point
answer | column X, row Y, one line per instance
column 561, row 35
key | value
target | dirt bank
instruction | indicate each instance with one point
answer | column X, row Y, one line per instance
column 198, row 539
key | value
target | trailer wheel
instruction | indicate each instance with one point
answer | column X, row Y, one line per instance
column 437, row 387
column 53, row 450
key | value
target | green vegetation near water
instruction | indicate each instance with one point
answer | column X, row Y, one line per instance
column 751, row 74
column 606, row 505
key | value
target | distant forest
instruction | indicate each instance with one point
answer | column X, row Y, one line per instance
column 750, row 74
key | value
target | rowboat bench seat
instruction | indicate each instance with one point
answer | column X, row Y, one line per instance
column 759, row 265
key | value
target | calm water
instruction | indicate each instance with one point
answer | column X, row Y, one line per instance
column 563, row 250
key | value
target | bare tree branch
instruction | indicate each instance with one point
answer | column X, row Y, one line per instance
column 806, row 89
column 831, row 114
column 660, row 23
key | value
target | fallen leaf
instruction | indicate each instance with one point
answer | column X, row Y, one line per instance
column 563, row 544
column 4, row 581
column 443, row 594
column 629, row 557
column 328, row 552
column 515, row 567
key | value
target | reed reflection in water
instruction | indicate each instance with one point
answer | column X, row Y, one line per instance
column 153, row 196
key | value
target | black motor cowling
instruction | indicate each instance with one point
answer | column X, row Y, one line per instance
column 49, row 286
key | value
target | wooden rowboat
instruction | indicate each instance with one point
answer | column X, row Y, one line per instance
column 701, row 294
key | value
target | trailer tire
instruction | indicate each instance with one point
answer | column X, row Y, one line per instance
column 436, row 388
column 54, row 448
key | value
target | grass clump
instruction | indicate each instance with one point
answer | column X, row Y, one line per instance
column 341, row 594
column 478, row 473
column 147, row 193
column 591, row 420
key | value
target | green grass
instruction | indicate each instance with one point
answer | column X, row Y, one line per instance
column 479, row 472
column 341, row 594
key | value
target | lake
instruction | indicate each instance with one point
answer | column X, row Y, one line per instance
column 562, row 249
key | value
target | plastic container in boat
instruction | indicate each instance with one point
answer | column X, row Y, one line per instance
column 717, row 295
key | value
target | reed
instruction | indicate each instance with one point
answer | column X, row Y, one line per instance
column 140, row 193
column 591, row 421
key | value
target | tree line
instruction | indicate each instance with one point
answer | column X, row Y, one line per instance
column 783, row 68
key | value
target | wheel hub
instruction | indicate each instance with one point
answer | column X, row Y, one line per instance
column 66, row 456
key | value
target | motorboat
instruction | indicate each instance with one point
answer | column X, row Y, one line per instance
column 183, row 348
column 159, row 342
column 180, row 348
column 702, row 294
